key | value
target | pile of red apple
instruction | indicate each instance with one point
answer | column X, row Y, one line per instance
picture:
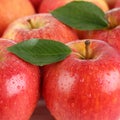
column 83, row 85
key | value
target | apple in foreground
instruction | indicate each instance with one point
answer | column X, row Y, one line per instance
column 111, row 34
column 46, row 5
column 86, row 85
column 43, row 26
column 19, row 85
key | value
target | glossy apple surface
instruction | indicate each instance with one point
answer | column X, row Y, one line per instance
column 43, row 26
column 86, row 85
column 19, row 85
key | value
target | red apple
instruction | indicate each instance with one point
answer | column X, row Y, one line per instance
column 40, row 26
column 117, row 4
column 46, row 5
column 19, row 85
column 86, row 85
column 111, row 34
column 113, row 3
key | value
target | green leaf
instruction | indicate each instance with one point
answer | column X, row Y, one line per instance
column 40, row 51
column 81, row 15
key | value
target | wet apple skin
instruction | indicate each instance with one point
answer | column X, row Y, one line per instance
column 19, row 85
column 76, row 89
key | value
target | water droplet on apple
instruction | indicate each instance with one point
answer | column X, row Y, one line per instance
column 13, row 82
column 82, row 80
column 14, row 103
column 89, row 95
column 84, row 111
column 72, row 104
column 108, row 74
column 1, row 101
column 18, row 87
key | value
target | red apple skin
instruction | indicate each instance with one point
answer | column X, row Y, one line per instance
column 110, row 34
column 46, row 5
column 117, row 4
column 19, row 85
column 84, row 89
column 113, row 3
column 43, row 26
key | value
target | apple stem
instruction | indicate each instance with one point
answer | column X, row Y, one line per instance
column 30, row 22
column 87, row 44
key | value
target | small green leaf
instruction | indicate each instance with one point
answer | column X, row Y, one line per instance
column 81, row 15
column 40, row 51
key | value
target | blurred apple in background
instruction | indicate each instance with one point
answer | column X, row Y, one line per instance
column 111, row 34
column 117, row 4
column 11, row 10
column 19, row 85
column 113, row 3
column 40, row 26
column 86, row 85
column 49, row 5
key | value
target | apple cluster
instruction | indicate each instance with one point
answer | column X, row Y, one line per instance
column 83, row 86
